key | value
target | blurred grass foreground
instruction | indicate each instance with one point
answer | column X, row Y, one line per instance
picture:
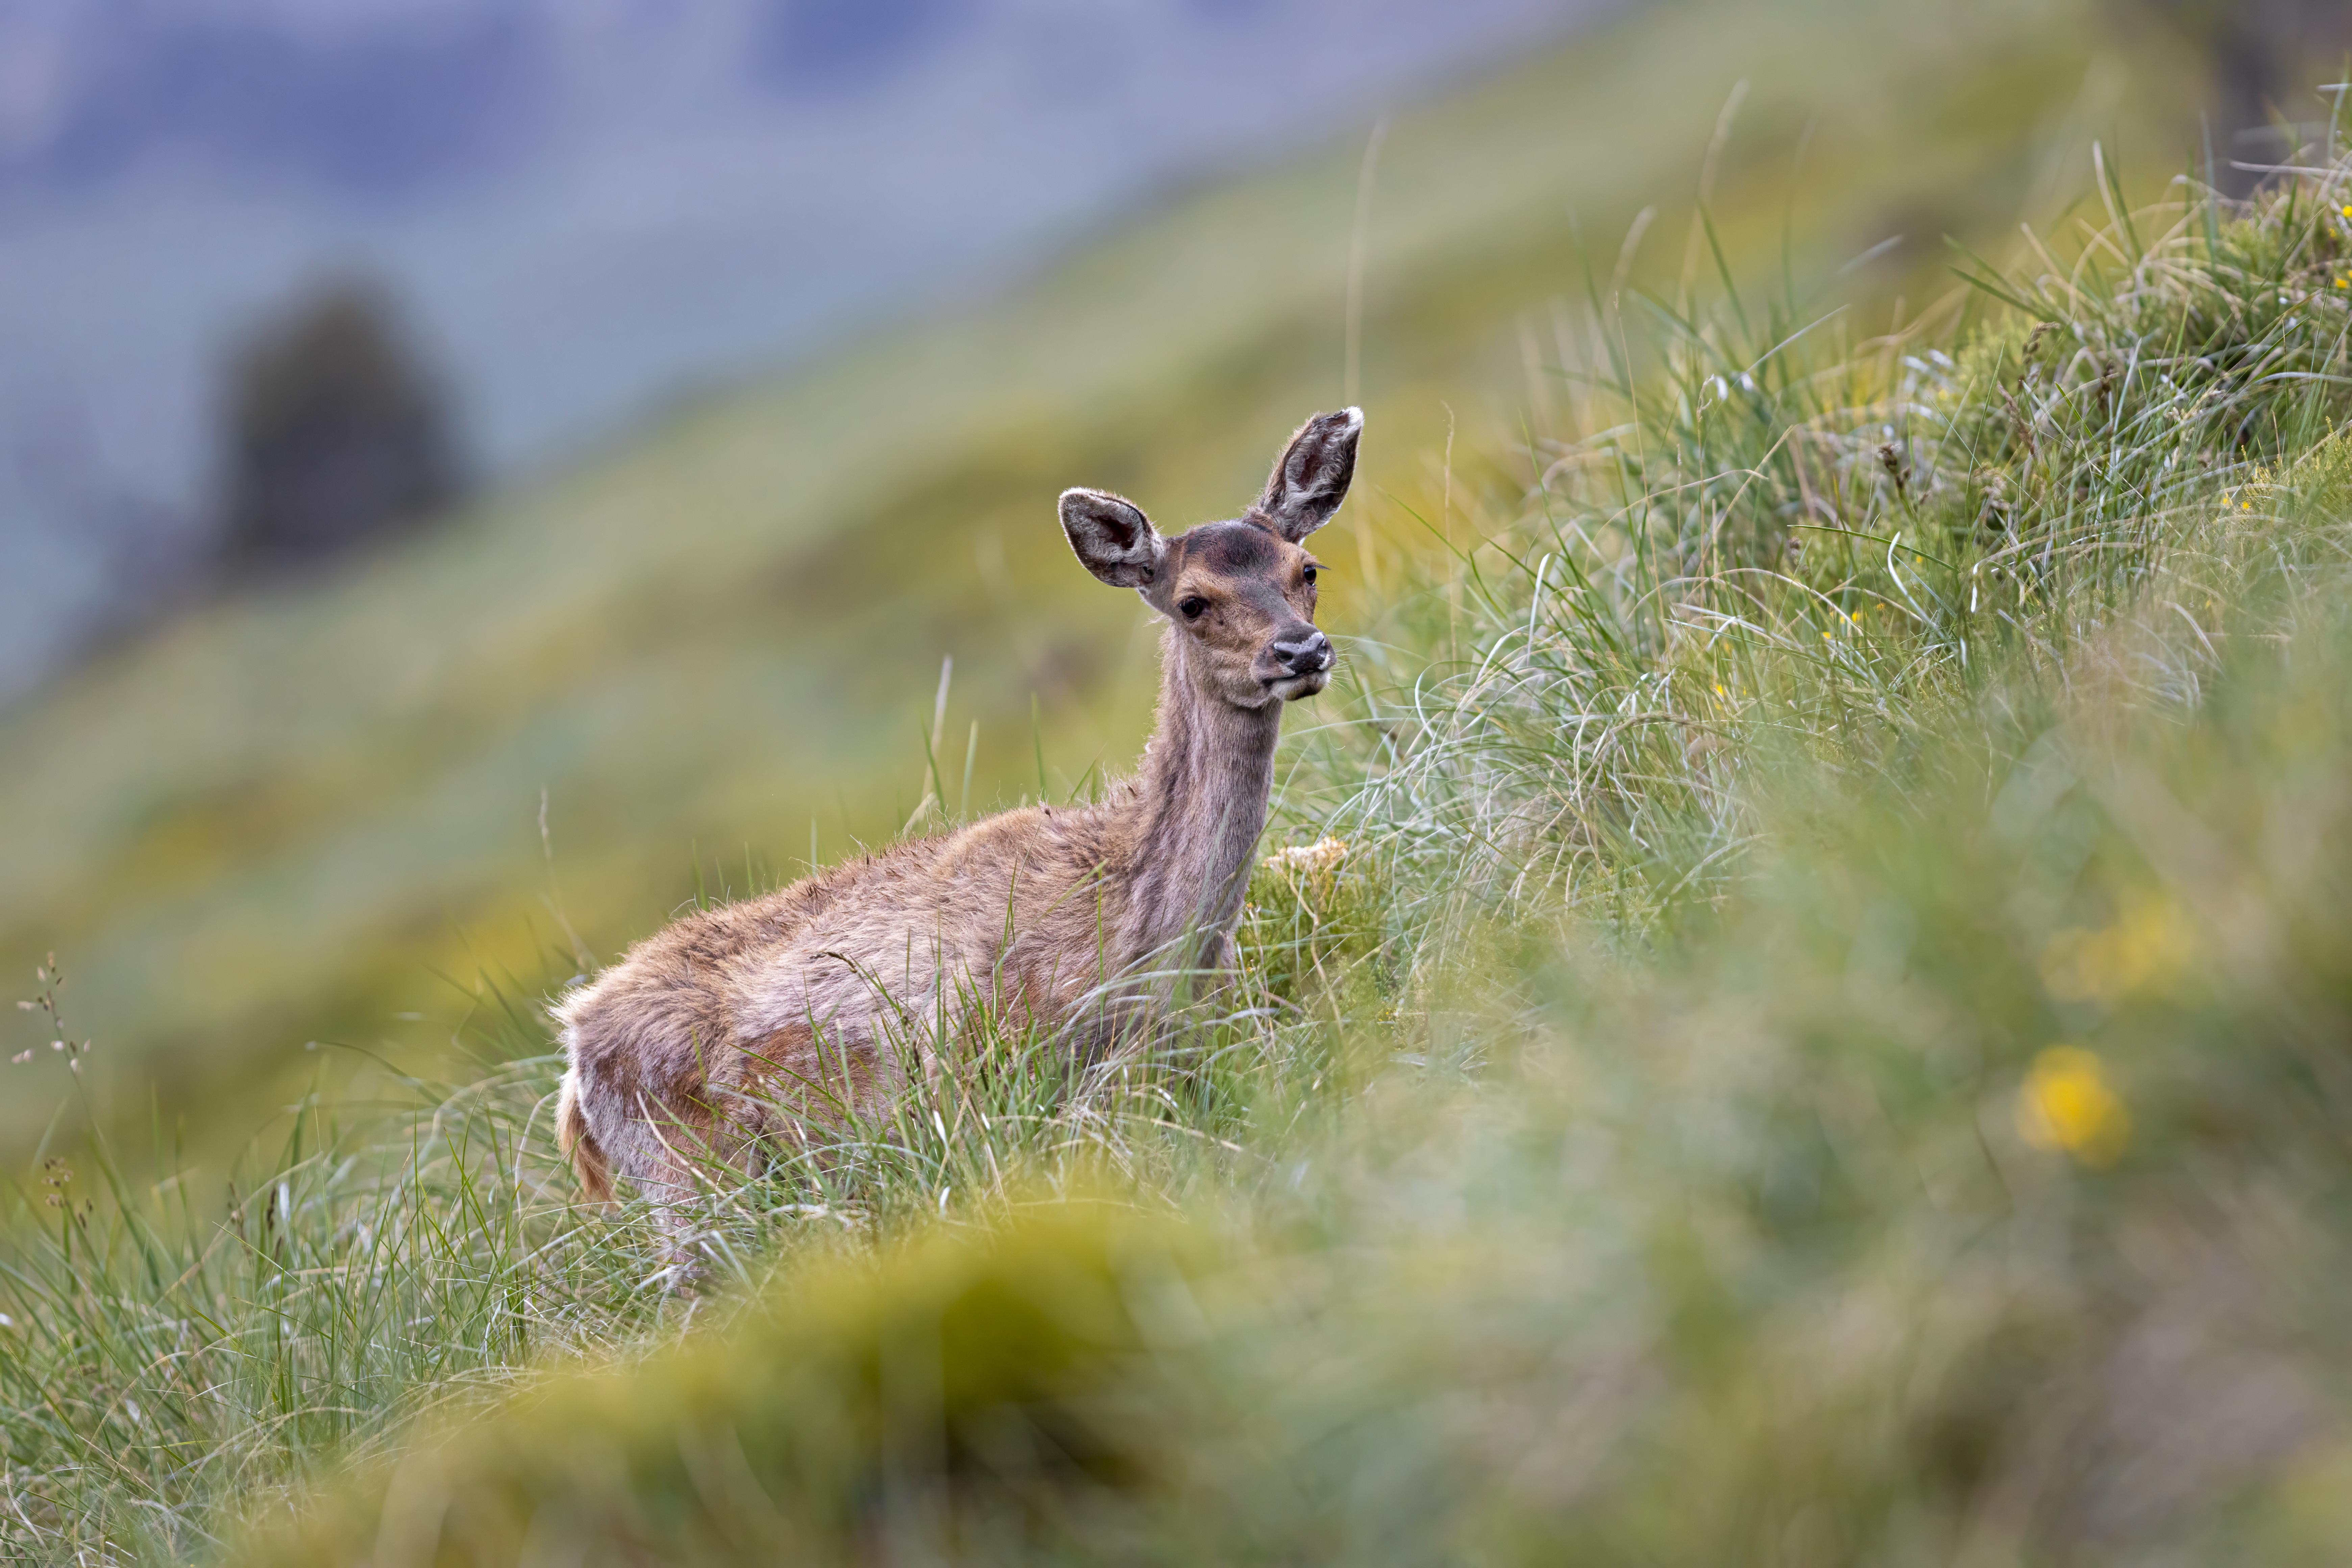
column 1799, row 1011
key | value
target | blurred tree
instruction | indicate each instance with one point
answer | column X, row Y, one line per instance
column 335, row 431
column 2264, row 54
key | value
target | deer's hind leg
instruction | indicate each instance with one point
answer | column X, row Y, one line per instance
column 665, row 1139
column 673, row 1153
column 798, row 1094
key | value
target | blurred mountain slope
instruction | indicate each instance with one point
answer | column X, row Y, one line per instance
column 275, row 821
column 581, row 205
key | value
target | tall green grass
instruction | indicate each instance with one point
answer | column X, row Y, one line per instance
column 169, row 1350
column 1763, row 554
column 1801, row 1019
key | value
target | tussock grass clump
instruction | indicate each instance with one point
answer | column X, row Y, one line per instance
column 1801, row 1018
column 960, row 1390
column 1769, row 553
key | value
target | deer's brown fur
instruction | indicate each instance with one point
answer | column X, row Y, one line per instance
column 824, row 996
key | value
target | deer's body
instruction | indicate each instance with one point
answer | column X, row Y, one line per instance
column 824, row 996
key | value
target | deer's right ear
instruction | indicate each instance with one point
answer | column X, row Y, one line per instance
column 1312, row 476
column 1112, row 537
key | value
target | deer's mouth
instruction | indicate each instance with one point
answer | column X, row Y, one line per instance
column 1291, row 687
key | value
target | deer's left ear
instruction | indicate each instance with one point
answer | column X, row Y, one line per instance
column 1112, row 537
column 1312, row 478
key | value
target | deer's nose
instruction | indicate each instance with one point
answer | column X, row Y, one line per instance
column 1306, row 654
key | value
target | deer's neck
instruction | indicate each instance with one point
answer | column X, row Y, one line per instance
column 1204, row 783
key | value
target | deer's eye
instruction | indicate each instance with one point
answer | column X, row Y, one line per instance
column 1193, row 607
column 1310, row 575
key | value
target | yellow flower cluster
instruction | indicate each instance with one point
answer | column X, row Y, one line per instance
column 2066, row 1102
column 2149, row 946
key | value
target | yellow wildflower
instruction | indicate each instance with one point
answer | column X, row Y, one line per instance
column 2066, row 1102
column 2147, row 948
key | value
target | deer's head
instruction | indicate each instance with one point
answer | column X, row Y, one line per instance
column 1243, row 590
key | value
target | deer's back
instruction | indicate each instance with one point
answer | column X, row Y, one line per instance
column 1000, row 914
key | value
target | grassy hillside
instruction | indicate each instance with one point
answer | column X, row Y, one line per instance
column 281, row 819
column 1821, row 1039
column 1810, row 1027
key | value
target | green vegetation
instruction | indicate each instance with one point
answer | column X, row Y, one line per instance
column 279, row 820
column 1801, row 1018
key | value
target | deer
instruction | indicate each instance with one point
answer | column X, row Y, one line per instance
column 742, row 1022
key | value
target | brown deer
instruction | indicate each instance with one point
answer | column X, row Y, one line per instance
column 821, row 999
